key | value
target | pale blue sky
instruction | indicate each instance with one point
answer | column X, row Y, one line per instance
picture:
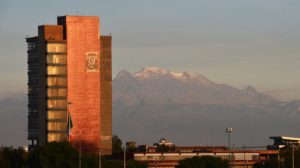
column 238, row 42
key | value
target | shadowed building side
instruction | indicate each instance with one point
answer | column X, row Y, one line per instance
column 106, row 94
column 46, row 86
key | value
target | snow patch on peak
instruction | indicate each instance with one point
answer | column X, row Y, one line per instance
column 148, row 72
column 177, row 75
column 158, row 70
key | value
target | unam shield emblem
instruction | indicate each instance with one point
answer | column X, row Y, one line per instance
column 91, row 61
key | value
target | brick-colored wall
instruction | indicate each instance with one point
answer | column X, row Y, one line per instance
column 82, row 35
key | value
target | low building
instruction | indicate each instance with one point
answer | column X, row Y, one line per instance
column 185, row 149
column 170, row 159
column 239, row 158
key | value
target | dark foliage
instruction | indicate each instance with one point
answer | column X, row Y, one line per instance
column 116, row 144
column 62, row 155
column 12, row 158
column 54, row 154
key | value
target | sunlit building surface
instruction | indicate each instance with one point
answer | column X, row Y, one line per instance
column 69, row 85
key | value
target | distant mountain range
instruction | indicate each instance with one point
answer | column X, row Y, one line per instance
column 186, row 108
column 191, row 109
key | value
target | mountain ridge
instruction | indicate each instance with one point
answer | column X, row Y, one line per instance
column 155, row 102
column 186, row 86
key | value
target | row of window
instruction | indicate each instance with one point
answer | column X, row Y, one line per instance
column 56, row 48
column 57, row 103
column 57, row 137
column 56, row 59
column 57, row 115
column 57, row 126
column 56, row 70
column 31, row 45
column 56, row 81
column 56, row 92
column 51, row 47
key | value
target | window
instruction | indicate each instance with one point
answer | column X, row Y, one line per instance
column 56, row 47
column 57, row 103
column 56, row 70
column 53, row 115
column 56, row 92
column 57, row 137
column 56, row 59
column 56, row 81
column 31, row 45
column 57, row 126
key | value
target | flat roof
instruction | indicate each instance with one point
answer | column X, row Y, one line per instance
column 285, row 138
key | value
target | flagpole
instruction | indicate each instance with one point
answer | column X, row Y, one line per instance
column 79, row 149
column 100, row 158
column 125, row 155
column 68, row 122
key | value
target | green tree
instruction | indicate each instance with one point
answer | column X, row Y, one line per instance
column 63, row 155
column 12, row 158
column 54, row 154
column 203, row 162
column 116, row 144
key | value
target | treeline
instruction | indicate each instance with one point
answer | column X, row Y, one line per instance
column 58, row 155
column 63, row 155
column 13, row 158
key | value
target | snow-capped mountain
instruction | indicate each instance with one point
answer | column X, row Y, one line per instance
column 156, row 72
column 187, row 107
column 156, row 85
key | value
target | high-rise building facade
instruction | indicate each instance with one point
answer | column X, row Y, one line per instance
column 69, row 85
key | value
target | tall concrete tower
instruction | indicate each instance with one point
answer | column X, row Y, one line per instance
column 69, row 85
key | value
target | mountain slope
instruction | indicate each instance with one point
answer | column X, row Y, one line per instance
column 187, row 107
column 159, row 86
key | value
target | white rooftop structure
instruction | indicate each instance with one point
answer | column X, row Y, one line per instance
column 282, row 141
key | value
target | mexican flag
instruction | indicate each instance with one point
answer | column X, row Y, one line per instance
column 70, row 125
